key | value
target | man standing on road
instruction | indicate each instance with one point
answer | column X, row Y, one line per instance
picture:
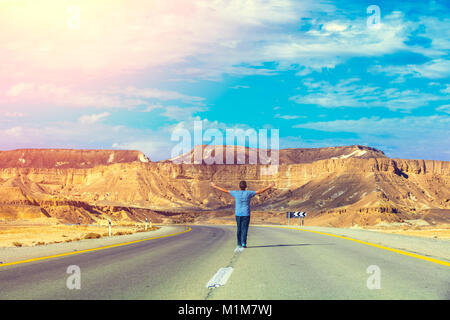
column 242, row 209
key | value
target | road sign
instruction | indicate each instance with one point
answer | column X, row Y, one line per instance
column 295, row 214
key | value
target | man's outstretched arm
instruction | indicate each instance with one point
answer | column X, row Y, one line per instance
column 265, row 189
column 219, row 188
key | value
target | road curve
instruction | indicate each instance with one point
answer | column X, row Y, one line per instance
column 278, row 264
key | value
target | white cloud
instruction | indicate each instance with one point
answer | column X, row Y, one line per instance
column 180, row 114
column 130, row 97
column 446, row 89
column 240, row 87
column 348, row 93
column 337, row 41
column 93, row 118
column 152, row 107
column 444, row 108
column 381, row 126
column 435, row 69
column 13, row 114
column 13, row 132
column 164, row 95
column 216, row 36
column 17, row 89
column 335, row 27
column 152, row 35
column 433, row 30
column 288, row 117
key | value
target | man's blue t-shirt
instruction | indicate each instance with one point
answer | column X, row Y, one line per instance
column 242, row 200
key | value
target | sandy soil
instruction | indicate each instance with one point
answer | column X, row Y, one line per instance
column 26, row 233
column 442, row 232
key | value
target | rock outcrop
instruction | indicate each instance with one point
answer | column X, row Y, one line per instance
column 98, row 184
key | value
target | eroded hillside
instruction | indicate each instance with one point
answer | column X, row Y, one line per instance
column 348, row 182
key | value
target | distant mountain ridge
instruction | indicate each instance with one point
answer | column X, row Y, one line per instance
column 67, row 158
column 354, row 184
column 89, row 158
column 286, row 156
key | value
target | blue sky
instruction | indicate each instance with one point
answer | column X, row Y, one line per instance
column 314, row 70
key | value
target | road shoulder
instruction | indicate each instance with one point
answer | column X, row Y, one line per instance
column 12, row 254
column 430, row 247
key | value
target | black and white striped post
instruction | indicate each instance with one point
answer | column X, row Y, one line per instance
column 145, row 223
column 109, row 228
column 293, row 214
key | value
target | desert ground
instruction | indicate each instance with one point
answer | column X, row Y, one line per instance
column 32, row 233
column 442, row 232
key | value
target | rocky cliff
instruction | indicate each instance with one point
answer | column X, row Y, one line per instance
column 99, row 184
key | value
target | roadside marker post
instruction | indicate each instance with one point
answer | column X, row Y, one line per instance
column 109, row 227
column 150, row 223
column 145, row 223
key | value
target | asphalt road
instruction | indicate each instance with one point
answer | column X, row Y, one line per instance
column 278, row 264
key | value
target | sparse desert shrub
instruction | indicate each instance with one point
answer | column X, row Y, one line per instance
column 153, row 228
column 92, row 235
column 17, row 244
column 40, row 243
column 68, row 240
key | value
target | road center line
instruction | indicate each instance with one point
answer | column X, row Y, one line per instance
column 220, row 278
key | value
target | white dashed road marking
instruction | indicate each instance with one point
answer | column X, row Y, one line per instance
column 220, row 278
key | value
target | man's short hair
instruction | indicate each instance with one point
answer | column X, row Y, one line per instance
column 243, row 185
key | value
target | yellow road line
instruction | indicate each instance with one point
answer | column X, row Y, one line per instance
column 93, row 249
column 414, row 255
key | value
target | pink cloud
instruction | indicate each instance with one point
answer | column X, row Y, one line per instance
column 117, row 37
column 50, row 94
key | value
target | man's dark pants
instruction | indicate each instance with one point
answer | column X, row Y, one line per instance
column 242, row 229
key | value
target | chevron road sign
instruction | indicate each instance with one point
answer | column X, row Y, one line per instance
column 295, row 214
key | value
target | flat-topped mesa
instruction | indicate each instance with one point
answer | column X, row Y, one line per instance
column 206, row 154
column 67, row 158
column 68, row 184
